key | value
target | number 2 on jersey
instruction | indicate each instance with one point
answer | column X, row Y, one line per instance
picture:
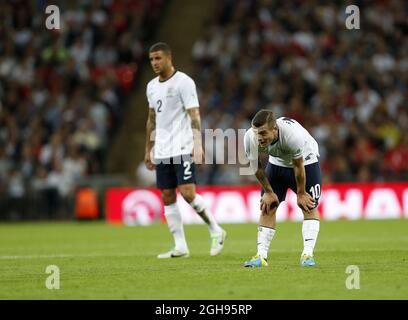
column 159, row 103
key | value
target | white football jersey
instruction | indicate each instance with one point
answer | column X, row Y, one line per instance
column 170, row 100
column 294, row 142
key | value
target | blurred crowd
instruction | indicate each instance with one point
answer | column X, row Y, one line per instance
column 61, row 92
column 297, row 58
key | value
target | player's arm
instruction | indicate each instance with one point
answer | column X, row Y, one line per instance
column 263, row 180
column 198, row 153
column 269, row 199
column 150, row 127
column 254, row 155
column 305, row 201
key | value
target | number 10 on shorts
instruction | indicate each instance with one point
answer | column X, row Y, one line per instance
column 315, row 191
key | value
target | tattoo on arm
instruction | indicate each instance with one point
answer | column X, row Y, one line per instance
column 150, row 127
column 194, row 114
column 195, row 118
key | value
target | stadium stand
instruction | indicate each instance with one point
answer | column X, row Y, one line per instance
column 348, row 87
column 61, row 95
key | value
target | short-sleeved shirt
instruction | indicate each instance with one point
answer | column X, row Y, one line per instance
column 293, row 142
column 170, row 100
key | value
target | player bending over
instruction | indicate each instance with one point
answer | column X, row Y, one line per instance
column 293, row 163
column 174, row 130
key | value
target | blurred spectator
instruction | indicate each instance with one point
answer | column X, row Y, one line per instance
column 16, row 192
column 348, row 87
column 86, row 136
column 396, row 159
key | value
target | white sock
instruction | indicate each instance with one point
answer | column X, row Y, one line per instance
column 175, row 225
column 265, row 236
column 310, row 231
column 199, row 206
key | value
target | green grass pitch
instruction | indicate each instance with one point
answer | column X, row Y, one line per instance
column 100, row 261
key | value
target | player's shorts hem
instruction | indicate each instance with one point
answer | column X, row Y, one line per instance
column 173, row 159
column 291, row 167
column 187, row 182
column 161, row 187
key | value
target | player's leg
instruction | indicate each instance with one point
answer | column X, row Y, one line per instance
column 186, row 184
column 175, row 224
column 267, row 221
column 188, row 191
column 266, row 232
column 311, row 222
column 310, row 232
column 217, row 234
column 167, row 182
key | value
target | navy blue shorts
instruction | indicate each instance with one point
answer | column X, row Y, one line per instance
column 175, row 171
column 282, row 179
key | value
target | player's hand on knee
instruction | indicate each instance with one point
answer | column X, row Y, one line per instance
column 148, row 161
column 305, row 201
column 269, row 201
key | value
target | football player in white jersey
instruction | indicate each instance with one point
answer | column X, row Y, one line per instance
column 293, row 163
column 174, row 146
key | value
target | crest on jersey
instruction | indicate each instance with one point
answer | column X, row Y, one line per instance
column 170, row 92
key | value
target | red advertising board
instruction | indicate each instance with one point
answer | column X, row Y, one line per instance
column 240, row 204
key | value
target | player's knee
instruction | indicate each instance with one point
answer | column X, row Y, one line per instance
column 169, row 198
column 312, row 214
column 270, row 213
column 188, row 195
column 309, row 215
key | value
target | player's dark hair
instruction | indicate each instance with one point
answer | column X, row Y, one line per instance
column 160, row 46
column 263, row 116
